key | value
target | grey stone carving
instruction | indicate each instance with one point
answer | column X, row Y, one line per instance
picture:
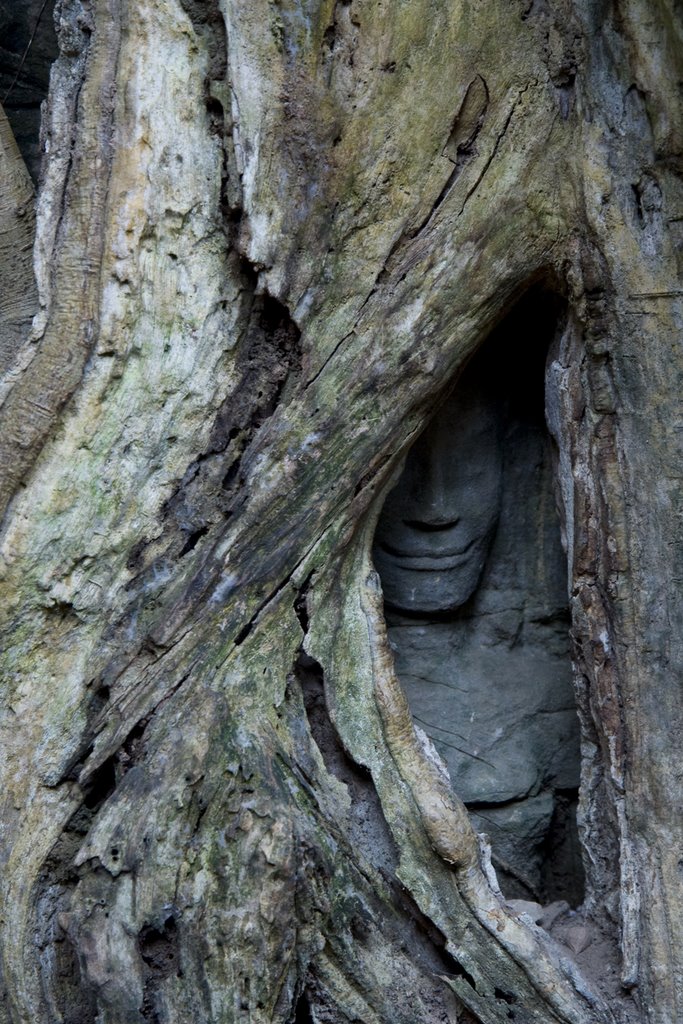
column 437, row 524
column 474, row 578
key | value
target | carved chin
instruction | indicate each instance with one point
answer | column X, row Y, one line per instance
column 435, row 590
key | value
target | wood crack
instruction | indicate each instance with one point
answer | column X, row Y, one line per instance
column 499, row 139
column 463, row 151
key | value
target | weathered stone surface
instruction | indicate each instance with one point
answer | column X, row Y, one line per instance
column 434, row 535
column 503, row 720
column 491, row 685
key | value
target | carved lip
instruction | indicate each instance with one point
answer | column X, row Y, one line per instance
column 427, row 561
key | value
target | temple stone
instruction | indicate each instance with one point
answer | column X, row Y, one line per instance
column 469, row 551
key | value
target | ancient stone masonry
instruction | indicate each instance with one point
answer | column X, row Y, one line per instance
column 475, row 583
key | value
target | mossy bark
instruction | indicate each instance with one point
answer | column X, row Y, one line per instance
column 268, row 236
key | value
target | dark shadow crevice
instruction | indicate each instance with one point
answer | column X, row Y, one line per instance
column 302, row 1010
column 159, row 948
column 28, row 47
column 368, row 833
column 367, row 826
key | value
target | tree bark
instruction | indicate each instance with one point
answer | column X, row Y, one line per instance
column 268, row 236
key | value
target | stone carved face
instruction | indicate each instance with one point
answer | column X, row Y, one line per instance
column 437, row 524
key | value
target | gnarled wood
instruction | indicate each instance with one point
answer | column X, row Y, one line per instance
column 268, row 238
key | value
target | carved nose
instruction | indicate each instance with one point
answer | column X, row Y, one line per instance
column 435, row 498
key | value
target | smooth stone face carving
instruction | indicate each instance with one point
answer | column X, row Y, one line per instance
column 437, row 524
column 505, row 717
column 474, row 577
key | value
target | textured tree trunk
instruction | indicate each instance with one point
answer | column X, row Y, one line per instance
column 268, row 235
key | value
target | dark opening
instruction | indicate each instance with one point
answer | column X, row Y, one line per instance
column 101, row 785
column 28, row 46
column 302, row 1013
column 159, row 948
column 469, row 550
